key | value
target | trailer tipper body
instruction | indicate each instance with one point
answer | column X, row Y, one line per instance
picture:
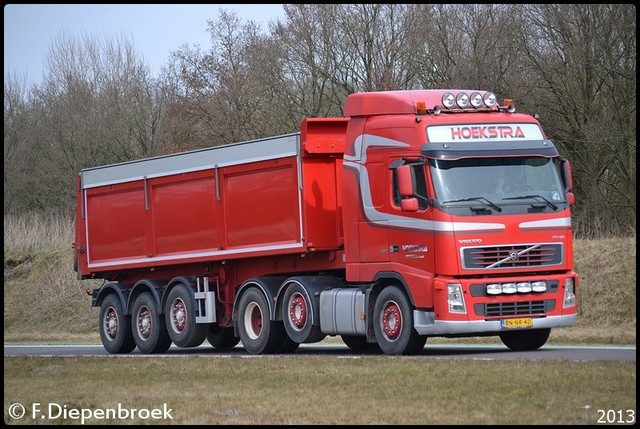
column 421, row 213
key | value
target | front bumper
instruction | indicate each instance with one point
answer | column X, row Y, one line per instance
column 425, row 324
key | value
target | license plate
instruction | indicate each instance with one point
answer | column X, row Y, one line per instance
column 523, row 322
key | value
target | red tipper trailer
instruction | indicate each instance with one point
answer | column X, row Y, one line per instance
column 420, row 213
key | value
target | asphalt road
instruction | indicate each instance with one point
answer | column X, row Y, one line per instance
column 431, row 351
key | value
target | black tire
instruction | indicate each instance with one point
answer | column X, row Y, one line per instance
column 288, row 346
column 148, row 327
column 115, row 326
column 393, row 324
column 297, row 315
column 258, row 334
column 221, row 338
column 358, row 343
column 180, row 316
column 525, row 340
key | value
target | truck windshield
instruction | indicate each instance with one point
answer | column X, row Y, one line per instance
column 496, row 179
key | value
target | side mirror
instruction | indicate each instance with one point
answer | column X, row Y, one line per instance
column 409, row 204
column 571, row 198
column 405, row 181
column 567, row 177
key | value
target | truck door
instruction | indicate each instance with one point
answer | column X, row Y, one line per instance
column 410, row 230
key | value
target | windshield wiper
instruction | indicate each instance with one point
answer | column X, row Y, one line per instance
column 549, row 203
column 495, row 207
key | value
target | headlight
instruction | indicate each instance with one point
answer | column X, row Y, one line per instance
column 538, row 286
column 455, row 299
column 494, row 289
column 509, row 288
column 569, row 294
column 523, row 287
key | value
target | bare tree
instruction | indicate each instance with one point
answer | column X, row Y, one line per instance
column 574, row 65
column 306, row 41
column 16, row 133
column 379, row 45
column 96, row 106
column 585, row 57
column 220, row 92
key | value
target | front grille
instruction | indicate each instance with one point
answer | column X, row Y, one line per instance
column 513, row 256
column 514, row 308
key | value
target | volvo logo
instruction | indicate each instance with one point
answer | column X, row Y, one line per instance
column 470, row 241
column 513, row 256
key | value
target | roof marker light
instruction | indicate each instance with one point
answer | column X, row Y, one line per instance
column 511, row 107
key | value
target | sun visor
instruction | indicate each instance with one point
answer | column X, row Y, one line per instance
column 482, row 140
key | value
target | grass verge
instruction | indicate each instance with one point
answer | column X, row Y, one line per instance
column 321, row 390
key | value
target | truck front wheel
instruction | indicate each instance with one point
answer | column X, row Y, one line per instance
column 181, row 319
column 525, row 340
column 115, row 326
column 259, row 334
column 393, row 324
column 149, row 329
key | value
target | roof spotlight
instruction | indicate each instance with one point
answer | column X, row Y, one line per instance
column 476, row 99
column 462, row 99
column 448, row 100
column 489, row 99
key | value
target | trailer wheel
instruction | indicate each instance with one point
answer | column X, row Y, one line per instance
column 180, row 318
column 393, row 324
column 115, row 326
column 148, row 327
column 297, row 317
column 358, row 343
column 221, row 338
column 258, row 334
column 525, row 340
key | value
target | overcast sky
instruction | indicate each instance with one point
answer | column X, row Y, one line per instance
column 155, row 30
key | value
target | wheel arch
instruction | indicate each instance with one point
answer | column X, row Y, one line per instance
column 381, row 281
column 187, row 281
column 113, row 289
column 312, row 286
column 147, row 285
column 389, row 278
column 268, row 286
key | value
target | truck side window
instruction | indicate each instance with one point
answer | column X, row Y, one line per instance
column 420, row 184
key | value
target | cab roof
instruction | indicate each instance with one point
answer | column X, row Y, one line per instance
column 401, row 102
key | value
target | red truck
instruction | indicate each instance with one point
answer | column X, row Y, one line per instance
column 421, row 213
